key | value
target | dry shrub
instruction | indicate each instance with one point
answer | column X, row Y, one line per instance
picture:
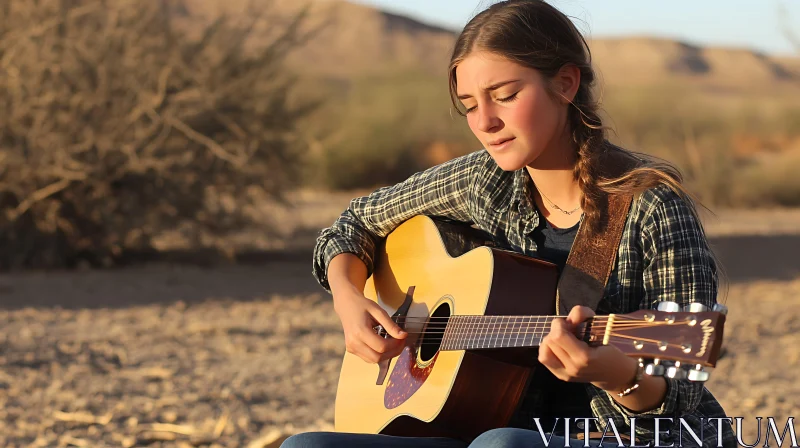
column 116, row 125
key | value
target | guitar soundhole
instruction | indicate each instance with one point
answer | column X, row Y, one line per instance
column 432, row 338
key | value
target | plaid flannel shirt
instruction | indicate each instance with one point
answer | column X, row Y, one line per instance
column 663, row 256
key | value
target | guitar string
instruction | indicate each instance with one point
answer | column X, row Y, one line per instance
column 479, row 342
column 525, row 334
column 526, row 316
column 489, row 316
column 547, row 325
column 514, row 328
column 595, row 321
column 493, row 337
column 531, row 344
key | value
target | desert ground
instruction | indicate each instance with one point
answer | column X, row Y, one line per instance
column 242, row 355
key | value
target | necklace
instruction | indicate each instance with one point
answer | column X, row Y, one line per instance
column 557, row 207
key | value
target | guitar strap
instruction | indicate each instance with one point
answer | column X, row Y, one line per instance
column 592, row 258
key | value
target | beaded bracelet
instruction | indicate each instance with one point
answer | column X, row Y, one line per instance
column 636, row 380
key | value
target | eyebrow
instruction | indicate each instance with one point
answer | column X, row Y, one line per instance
column 494, row 86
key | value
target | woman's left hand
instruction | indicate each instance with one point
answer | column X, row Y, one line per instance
column 571, row 359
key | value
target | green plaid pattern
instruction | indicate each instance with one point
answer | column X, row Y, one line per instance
column 663, row 256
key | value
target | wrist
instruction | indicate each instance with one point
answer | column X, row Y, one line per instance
column 345, row 293
column 634, row 385
column 625, row 377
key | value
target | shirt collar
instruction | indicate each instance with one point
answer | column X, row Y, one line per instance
column 523, row 193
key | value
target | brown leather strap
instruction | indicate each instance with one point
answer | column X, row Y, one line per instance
column 591, row 258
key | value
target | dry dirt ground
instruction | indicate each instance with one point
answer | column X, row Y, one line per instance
column 238, row 355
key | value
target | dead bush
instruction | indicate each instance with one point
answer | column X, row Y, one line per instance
column 116, row 124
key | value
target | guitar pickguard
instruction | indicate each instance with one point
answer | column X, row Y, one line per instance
column 406, row 378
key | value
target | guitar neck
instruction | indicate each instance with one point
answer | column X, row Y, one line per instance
column 477, row 332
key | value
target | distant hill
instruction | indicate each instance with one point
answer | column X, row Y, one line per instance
column 364, row 41
column 650, row 60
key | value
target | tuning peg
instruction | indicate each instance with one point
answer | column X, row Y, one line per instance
column 720, row 308
column 655, row 369
column 668, row 307
column 676, row 372
column 698, row 374
column 695, row 307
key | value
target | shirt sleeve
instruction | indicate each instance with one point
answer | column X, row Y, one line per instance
column 443, row 191
column 678, row 266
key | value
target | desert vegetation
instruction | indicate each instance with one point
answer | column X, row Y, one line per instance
column 122, row 121
column 117, row 124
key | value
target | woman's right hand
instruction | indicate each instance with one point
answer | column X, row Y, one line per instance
column 359, row 315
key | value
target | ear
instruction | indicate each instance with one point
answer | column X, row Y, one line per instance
column 567, row 81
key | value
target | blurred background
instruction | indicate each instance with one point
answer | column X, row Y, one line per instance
column 166, row 165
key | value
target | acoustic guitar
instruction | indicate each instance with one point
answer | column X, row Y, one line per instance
column 475, row 315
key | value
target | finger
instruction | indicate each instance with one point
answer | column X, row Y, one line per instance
column 570, row 349
column 579, row 314
column 549, row 359
column 364, row 352
column 558, row 327
column 382, row 346
column 567, row 365
column 386, row 322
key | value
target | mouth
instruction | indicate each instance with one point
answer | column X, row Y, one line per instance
column 501, row 141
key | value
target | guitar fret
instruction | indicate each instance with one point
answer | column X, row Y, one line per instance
column 486, row 328
column 524, row 330
column 479, row 329
column 496, row 330
column 445, row 336
column 454, row 343
column 504, row 332
column 457, row 340
column 487, row 331
column 476, row 331
column 451, row 323
column 511, row 333
column 493, row 333
column 526, row 334
column 465, row 339
column 476, row 342
column 545, row 329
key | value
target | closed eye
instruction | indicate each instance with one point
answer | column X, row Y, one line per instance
column 507, row 99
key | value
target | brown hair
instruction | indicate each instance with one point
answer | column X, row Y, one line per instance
column 534, row 34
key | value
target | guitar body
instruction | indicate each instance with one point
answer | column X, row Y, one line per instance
column 450, row 393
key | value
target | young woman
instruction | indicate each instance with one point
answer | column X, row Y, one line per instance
column 522, row 73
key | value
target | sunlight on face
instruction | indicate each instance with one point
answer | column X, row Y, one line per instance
column 509, row 109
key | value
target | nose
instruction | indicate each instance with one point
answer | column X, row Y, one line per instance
column 488, row 121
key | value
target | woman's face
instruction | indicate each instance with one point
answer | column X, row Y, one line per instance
column 509, row 109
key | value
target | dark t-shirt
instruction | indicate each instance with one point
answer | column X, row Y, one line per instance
column 553, row 244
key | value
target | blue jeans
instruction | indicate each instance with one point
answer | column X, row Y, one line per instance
column 495, row 438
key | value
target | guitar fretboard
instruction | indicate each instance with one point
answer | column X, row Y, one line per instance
column 476, row 332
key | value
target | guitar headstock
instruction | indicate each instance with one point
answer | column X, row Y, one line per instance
column 680, row 343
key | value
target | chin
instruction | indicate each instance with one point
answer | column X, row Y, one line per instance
column 508, row 161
